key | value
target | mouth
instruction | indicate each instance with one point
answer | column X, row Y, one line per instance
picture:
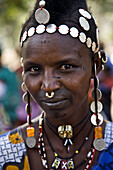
column 55, row 104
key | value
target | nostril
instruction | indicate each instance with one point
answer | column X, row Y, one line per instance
column 56, row 77
column 50, row 85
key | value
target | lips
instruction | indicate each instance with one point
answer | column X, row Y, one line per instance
column 55, row 103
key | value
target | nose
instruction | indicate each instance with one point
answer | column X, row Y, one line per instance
column 50, row 83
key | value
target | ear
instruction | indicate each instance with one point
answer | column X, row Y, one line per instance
column 97, row 60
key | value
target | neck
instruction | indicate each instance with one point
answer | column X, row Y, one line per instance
column 72, row 118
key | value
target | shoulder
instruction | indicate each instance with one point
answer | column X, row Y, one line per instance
column 12, row 149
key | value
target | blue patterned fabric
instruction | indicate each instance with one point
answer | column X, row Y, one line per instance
column 105, row 161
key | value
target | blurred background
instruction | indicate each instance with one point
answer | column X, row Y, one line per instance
column 13, row 14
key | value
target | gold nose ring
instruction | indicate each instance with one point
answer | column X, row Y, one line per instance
column 50, row 95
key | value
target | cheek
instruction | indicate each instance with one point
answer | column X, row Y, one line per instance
column 79, row 83
column 32, row 84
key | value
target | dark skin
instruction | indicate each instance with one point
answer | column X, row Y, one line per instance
column 61, row 64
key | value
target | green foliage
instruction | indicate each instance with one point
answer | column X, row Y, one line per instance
column 12, row 15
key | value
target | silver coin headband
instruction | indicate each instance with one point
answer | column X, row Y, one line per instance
column 42, row 16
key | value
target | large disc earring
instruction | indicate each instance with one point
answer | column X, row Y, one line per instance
column 30, row 140
column 97, row 118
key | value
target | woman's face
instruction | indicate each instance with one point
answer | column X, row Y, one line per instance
column 61, row 64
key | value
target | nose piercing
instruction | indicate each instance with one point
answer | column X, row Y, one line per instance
column 50, row 95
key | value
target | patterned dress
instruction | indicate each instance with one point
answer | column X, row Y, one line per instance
column 13, row 151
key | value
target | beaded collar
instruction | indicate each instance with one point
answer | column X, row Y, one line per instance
column 59, row 162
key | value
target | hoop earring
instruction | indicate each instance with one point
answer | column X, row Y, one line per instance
column 30, row 140
column 97, row 118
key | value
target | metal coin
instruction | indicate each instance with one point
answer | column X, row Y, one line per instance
column 22, row 74
column 24, row 36
column 42, row 3
column 42, row 16
column 93, row 46
column 63, row 29
column 25, row 98
column 51, row 28
column 84, row 23
column 99, row 144
column 21, row 61
column 21, row 42
column 97, row 49
column 31, row 31
column 89, row 42
column 97, row 82
column 99, row 94
column 84, row 13
column 24, row 88
column 31, row 142
column 93, row 119
column 27, row 109
column 40, row 29
column 82, row 37
column 99, row 107
column 74, row 32
column 97, row 36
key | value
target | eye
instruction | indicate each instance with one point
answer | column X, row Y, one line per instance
column 34, row 69
column 66, row 66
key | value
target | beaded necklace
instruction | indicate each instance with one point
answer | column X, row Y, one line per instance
column 67, row 140
column 63, row 163
column 49, row 125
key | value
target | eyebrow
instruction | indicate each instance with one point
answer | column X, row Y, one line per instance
column 65, row 61
column 29, row 63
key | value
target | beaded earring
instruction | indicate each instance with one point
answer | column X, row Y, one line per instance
column 97, row 118
column 30, row 140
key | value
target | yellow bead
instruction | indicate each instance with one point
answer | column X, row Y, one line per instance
column 98, row 132
column 56, row 154
column 30, row 131
column 76, row 152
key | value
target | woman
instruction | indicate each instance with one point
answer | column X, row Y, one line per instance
column 59, row 58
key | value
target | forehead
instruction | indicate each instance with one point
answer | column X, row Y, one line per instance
column 54, row 44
